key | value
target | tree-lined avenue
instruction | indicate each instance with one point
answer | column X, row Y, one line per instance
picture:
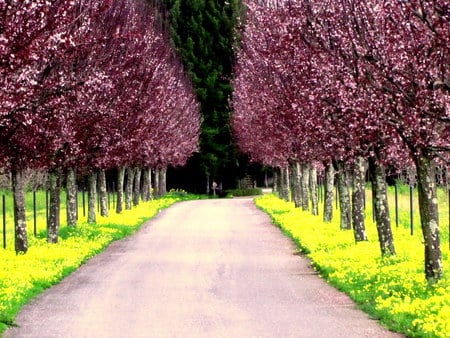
column 210, row 268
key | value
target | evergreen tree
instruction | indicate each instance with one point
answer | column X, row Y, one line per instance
column 203, row 33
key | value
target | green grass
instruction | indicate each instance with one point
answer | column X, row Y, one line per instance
column 41, row 223
column 391, row 289
column 22, row 277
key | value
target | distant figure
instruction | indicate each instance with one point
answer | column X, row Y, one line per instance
column 214, row 187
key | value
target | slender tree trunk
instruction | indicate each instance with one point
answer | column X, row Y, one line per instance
column 150, row 184
column 137, row 186
column 344, row 196
column 429, row 216
column 103, row 192
column 71, row 197
column 284, row 184
column 92, row 197
column 156, row 183
column 129, row 189
column 20, row 217
column 381, row 206
column 287, row 184
column 53, row 221
column 305, row 186
column 120, row 192
column 329, row 193
column 296, row 184
column 276, row 180
column 147, row 185
column 313, row 190
column 162, row 181
column 358, row 196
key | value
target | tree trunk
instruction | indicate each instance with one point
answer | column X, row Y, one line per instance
column 305, row 187
column 137, row 186
column 71, row 197
column 284, row 184
column 329, row 193
column 358, row 196
column 156, row 183
column 162, row 181
column 92, row 197
column 344, row 196
column 276, row 180
column 120, row 192
column 296, row 184
column 147, row 185
column 381, row 206
column 53, row 221
column 429, row 216
column 20, row 217
column 103, row 192
column 313, row 190
column 129, row 189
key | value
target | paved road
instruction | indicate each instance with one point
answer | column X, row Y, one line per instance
column 214, row 268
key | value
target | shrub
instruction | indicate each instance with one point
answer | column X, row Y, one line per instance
column 244, row 192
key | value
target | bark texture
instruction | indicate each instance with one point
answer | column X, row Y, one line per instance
column 71, row 198
column 329, row 193
column 305, row 187
column 358, row 196
column 156, row 183
column 137, row 186
column 276, row 179
column 296, row 184
column 381, row 207
column 313, row 190
column 103, row 191
column 129, row 189
column 284, row 184
column 429, row 216
column 20, row 217
column 344, row 195
column 92, row 197
column 53, row 222
column 120, row 192
column 147, row 185
column 162, row 181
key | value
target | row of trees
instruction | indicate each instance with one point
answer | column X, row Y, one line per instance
column 345, row 84
column 88, row 86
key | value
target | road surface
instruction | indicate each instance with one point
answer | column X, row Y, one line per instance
column 209, row 268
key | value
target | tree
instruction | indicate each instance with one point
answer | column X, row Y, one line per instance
column 373, row 80
column 314, row 106
column 79, row 83
column 31, row 92
column 203, row 33
column 168, row 125
column 402, row 49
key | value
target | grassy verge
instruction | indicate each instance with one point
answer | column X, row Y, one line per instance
column 22, row 277
column 391, row 289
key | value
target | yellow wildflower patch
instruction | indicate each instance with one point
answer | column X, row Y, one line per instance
column 392, row 289
column 24, row 276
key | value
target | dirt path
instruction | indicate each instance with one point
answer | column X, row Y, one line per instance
column 213, row 268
